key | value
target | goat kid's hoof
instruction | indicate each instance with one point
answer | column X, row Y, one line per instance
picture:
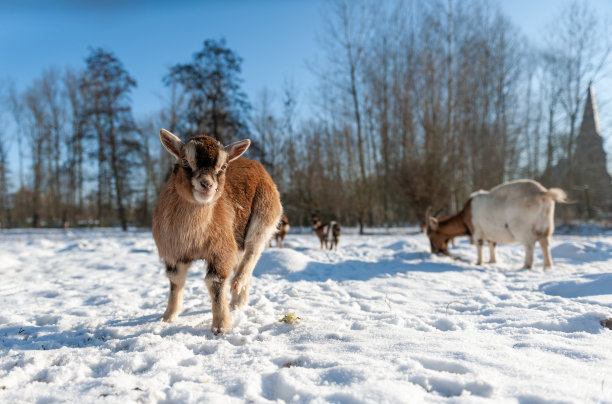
column 221, row 328
column 238, row 301
column 169, row 317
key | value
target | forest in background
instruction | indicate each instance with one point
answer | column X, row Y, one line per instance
column 418, row 104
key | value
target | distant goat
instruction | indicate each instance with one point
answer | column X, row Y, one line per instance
column 219, row 208
column 282, row 229
column 332, row 235
column 517, row 211
column 318, row 227
column 328, row 233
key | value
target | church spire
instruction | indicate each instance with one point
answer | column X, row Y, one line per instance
column 590, row 121
column 590, row 170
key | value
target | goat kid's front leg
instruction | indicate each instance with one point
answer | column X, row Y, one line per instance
column 253, row 248
column 241, row 281
column 216, row 283
column 177, row 274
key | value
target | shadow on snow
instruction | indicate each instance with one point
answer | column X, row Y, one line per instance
column 402, row 262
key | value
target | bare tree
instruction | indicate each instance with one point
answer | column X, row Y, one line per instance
column 267, row 128
column 52, row 97
column 5, row 206
column 75, row 142
column 348, row 28
column 109, row 116
column 16, row 106
column 550, row 85
column 38, row 129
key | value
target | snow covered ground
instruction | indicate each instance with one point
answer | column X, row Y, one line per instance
column 382, row 321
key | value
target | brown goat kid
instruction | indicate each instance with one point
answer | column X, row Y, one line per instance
column 215, row 207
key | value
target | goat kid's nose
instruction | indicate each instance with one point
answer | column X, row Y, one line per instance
column 206, row 184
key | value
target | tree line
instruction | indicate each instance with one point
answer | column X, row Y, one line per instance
column 417, row 104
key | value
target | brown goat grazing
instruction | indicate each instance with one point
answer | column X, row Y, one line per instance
column 219, row 208
column 441, row 231
column 282, row 229
column 436, row 215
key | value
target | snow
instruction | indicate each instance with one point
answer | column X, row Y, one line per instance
column 382, row 321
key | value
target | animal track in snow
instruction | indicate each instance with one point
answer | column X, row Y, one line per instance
column 450, row 379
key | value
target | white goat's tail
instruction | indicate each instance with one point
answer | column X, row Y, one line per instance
column 557, row 195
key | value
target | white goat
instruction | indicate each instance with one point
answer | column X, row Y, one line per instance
column 516, row 211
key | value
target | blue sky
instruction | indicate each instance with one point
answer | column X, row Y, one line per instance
column 274, row 37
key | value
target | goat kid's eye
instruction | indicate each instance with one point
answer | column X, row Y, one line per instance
column 185, row 163
column 223, row 167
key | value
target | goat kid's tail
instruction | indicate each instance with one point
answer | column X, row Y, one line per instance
column 557, row 195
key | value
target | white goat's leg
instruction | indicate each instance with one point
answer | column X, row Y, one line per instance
column 545, row 246
column 479, row 244
column 529, row 255
column 177, row 275
column 253, row 247
column 492, row 256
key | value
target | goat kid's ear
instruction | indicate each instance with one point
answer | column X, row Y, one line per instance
column 171, row 143
column 237, row 149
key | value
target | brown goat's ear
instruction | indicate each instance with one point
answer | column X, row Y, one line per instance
column 237, row 149
column 171, row 143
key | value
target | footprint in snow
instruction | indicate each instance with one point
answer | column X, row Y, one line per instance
column 450, row 379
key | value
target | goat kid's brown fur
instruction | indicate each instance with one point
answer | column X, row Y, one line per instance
column 229, row 233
